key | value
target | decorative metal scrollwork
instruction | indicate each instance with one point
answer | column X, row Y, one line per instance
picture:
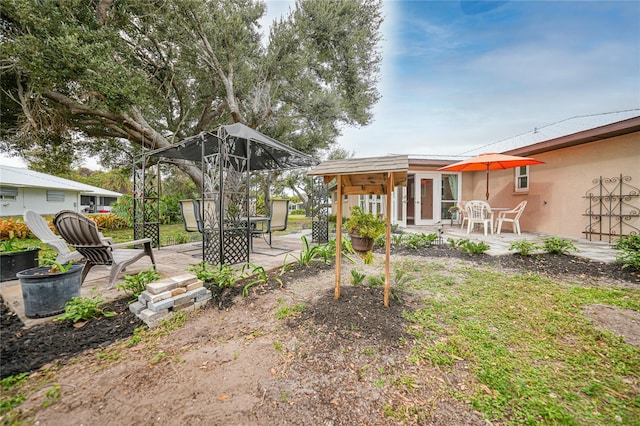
column 613, row 208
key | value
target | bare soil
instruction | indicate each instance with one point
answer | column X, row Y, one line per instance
column 234, row 362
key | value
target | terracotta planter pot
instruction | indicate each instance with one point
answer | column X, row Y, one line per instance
column 361, row 244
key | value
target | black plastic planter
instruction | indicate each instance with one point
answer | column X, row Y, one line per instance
column 45, row 294
column 12, row 263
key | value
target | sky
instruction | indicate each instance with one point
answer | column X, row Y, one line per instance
column 457, row 75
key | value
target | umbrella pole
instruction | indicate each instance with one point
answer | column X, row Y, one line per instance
column 487, row 194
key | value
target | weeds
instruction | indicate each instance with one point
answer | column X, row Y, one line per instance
column 134, row 285
column 263, row 278
column 357, row 277
column 84, row 309
column 629, row 247
column 524, row 247
column 557, row 245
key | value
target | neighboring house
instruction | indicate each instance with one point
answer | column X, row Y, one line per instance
column 22, row 189
column 589, row 186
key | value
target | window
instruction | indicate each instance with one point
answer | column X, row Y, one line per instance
column 345, row 197
column 8, row 193
column 522, row 178
column 55, row 196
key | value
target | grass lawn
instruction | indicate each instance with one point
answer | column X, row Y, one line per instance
column 534, row 356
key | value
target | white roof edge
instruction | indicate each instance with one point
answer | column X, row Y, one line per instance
column 25, row 178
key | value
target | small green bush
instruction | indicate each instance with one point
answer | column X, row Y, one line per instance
column 84, row 309
column 222, row 276
column 357, row 276
column 557, row 245
column 474, row 248
column 134, row 285
column 524, row 247
column 629, row 247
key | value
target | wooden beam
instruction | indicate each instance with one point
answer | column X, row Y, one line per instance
column 387, row 273
column 358, row 190
column 336, row 294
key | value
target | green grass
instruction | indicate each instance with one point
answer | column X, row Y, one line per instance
column 535, row 357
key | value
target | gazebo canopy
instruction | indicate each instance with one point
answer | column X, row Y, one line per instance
column 265, row 153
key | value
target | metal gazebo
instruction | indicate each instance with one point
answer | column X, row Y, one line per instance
column 226, row 157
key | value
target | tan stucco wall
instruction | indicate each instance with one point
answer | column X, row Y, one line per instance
column 556, row 190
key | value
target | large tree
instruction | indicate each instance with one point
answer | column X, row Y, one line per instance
column 113, row 77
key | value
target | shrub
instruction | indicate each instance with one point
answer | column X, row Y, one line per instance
column 366, row 225
column 557, row 245
column 223, row 276
column 298, row 212
column 524, row 247
column 474, row 248
column 629, row 247
column 416, row 241
column 84, row 309
column 134, row 285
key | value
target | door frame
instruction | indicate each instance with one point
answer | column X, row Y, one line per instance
column 435, row 177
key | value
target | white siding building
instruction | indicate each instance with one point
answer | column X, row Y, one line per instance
column 22, row 189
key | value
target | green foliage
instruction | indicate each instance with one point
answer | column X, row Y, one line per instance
column 367, row 258
column 284, row 312
column 11, row 246
column 222, row 276
column 629, row 247
column 134, row 285
column 524, row 247
column 84, row 309
column 376, row 281
column 366, row 225
column 557, row 245
column 133, row 62
column 473, row 247
column 56, row 267
column 11, row 397
column 263, row 278
column 420, row 240
column 53, row 395
column 357, row 276
column 309, row 254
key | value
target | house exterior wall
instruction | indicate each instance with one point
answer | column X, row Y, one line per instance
column 555, row 198
column 36, row 199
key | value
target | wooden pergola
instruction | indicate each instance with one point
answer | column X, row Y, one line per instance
column 364, row 176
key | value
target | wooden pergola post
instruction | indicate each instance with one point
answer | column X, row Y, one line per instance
column 336, row 294
column 387, row 272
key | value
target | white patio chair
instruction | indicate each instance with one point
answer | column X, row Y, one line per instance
column 191, row 215
column 40, row 228
column 462, row 212
column 517, row 212
column 479, row 212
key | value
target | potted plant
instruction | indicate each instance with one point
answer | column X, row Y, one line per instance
column 14, row 259
column 364, row 228
column 46, row 289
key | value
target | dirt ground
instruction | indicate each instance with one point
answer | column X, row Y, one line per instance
column 242, row 365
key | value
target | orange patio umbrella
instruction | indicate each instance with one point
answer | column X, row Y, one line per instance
column 490, row 161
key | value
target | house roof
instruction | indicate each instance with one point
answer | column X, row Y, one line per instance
column 564, row 133
column 25, row 178
column 365, row 175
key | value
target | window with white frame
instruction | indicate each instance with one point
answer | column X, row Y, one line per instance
column 8, row 193
column 55, row 196
column 522, row 178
